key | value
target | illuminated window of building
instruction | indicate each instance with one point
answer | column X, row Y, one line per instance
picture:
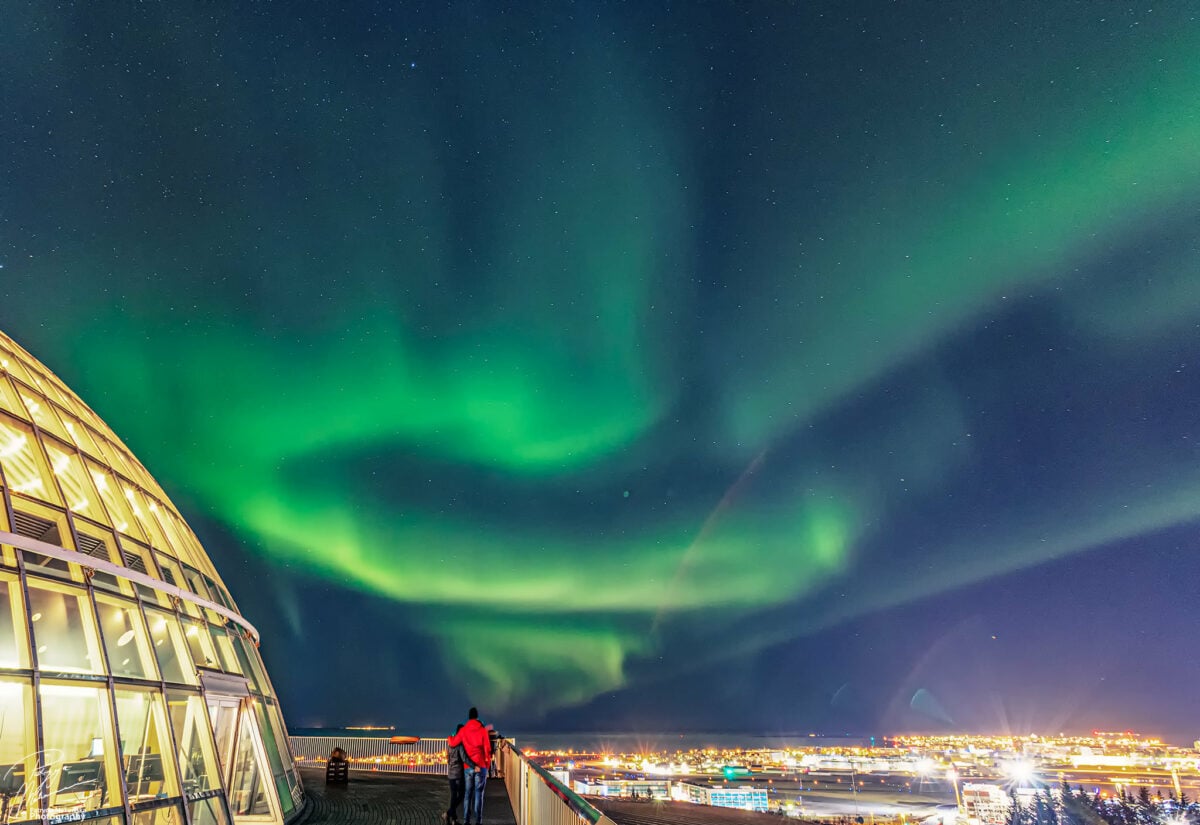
column 114, row 501
column 64, row 629
column 73, row 477
column 25, row 467
column 8, row 555
column 14, row 650
column 140, row 507
column 36, row 521
column 166, row 638
column 249, row 662
column 147, row 752
column 139, row 557
column 164, row 815
column 248, row 788
column 125, row 639
column 225, row 654
column 171, row 530
column 271, row 746
column 79, row 748
column 46, row 386
column 285, row 749
column 208, row 812
column 99, row 543
column 8, row 397
column 193, row 742
column 118, row 459
column 81, row 437
column 18, row 751
column 200, row 644
column 195, row 583
column 14, row 365
column 172, row 573
column 43, row 414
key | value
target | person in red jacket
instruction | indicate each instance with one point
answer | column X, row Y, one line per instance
column 478, row 747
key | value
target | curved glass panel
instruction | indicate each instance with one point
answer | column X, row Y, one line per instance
column 121, row 703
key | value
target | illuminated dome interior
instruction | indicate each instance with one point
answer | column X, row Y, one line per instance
column 131, row 688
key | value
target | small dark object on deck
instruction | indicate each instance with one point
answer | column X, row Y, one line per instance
column 337, row 770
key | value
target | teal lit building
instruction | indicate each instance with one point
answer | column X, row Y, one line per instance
column 131, row 688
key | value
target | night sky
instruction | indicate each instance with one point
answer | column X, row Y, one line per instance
column 754, row 366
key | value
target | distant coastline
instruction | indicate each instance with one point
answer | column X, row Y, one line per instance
column 617, row 742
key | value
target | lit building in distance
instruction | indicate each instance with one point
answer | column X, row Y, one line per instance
column 131, row 689
column 747, row 799
column 985, row 804
column 625, row 788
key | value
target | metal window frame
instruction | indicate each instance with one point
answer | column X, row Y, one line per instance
column 54, row 551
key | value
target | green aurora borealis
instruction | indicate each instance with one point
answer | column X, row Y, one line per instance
column 722, row 324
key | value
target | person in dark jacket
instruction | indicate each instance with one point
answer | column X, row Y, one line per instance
column 454, row 771
column 478, row 747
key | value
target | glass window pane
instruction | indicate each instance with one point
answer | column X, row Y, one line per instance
column 249, row 662
column 76, row 485
column 142, row 515
column 114, row 501
column 64, row 629
column 25, row 466
column 43, row 414
column 195, row 583
column 193, row 742
column 80, row 435
column 8, row 396
column 125, row 639
column 167, row 639
column 146, row 749
column 18, row 750
column 13, row 363
column 275, row 757
column 37, row 521
column 248, row 790
column 170, row 529
column 117, row 458
column 14, row 650
column 209, row 812
column 225, row 654
column 167, row 815
column 200, row 644
column 100, row 543
column 81, row 753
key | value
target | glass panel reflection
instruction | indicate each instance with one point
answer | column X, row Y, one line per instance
column 125, row 639
column 18, row 753
column 248, row 790
column 64, row 629
column 166, row 639
column 169, row 815
column 80, row 752
column 146, row 752
column 209, row 812
column 14, row 652
column 193, row 742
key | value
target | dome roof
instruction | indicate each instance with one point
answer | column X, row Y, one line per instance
column 141, row 683
column 55, row 452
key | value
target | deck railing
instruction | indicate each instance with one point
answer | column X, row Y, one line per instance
column 373, row 753
column 537, row 797
column 540, row 799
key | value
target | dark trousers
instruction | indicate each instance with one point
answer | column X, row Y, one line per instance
column 457, row 789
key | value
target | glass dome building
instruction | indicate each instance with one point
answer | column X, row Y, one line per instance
column 131, row 689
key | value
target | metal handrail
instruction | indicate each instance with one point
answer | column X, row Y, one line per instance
column 73, row 557
column 529, row 785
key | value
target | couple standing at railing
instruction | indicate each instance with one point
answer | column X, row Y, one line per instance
column 468, row 760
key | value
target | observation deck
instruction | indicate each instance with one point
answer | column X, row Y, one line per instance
column 372, row 798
